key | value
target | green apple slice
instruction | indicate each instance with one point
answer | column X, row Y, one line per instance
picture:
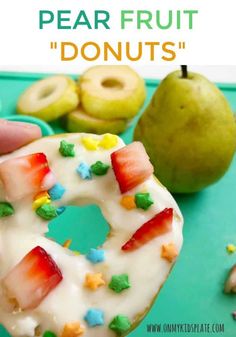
column 49, row 98
column 79, row 121
column 112, row 92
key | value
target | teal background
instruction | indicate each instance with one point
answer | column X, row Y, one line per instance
column 193, row 292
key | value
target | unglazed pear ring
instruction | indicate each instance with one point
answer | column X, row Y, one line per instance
column 112, row 92
column 50, row 98
column 47, row 289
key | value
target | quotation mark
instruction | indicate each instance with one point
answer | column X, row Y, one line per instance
column 53, row 45
column 182, row 45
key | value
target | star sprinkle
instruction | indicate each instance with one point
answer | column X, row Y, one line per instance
column 47, row 211
column 108, row 141
column 99, row 168
column 60, row 210
column 84, row 171
column 57, row 192
column 128, row 202
column 42, row 195
column 67, row 149
column 119, row 283
column 90, row 143
column 95, row 255
column 143, row 200
column 120, row 324
column 40, row 199
column 93, row 281
column 169, row 252
column 76, row 252
column 231, row 248
column 6, row 209
column 72, row 330
column 49, row 334
column 67, row 243
column 94, row 317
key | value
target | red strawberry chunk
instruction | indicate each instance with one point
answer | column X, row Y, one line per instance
column 32, row 279
column 160, row 224
column 131, row 166
column 25, row 176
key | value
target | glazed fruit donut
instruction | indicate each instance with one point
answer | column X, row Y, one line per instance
column 112, row 92
column 47, row 290
column 50, row 98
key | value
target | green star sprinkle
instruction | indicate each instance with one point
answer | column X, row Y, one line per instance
column 67, row 149
column 47, row 211
column 143, row 200
column 6, row 209
column 120, row 324
column 49, row 334
column 119, row 283
column 99, row 168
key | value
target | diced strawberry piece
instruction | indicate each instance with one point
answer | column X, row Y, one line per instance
column 32, row 279
column 131, row 166
column 26, row 175
column 160, row 224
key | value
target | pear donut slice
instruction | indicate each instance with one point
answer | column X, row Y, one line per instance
column 49, row 98
column 80, row 121
column 112, row 92
column 47, row 287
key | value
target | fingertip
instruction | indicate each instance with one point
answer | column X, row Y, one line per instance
column 14, row 135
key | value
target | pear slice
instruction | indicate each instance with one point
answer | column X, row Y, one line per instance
column 111, row 92
column 79, row 121
column 49, row 98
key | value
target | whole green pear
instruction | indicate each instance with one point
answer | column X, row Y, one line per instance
column 189, row 132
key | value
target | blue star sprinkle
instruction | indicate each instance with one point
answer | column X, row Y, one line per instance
column 60, row 210
column 84, row 171
column 56, row 192
column 94, row 317
column 95, row 255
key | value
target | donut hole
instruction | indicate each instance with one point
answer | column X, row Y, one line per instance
column 46, row 92
column 112, row 83
column 84, row 225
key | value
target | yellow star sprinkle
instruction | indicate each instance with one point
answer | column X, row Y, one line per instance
column 231, row 248
column 93, row 281
column 76, row 252
column 108, row 141
column 41, row 201
column 128, row 202
column 72, row 330
column 169, row 252
column 90, row 143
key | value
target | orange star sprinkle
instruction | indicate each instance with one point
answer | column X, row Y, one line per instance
column 93, row 281
column 169, row 252
column 128, row 202
column 42, row 195
column 67, row 243
column 72, row 330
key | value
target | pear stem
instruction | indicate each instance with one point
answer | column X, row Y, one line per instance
column 184, row 71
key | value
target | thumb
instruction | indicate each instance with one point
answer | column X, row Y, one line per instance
column 13, row 135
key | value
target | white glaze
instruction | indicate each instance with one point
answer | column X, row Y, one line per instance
column 70, row 300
